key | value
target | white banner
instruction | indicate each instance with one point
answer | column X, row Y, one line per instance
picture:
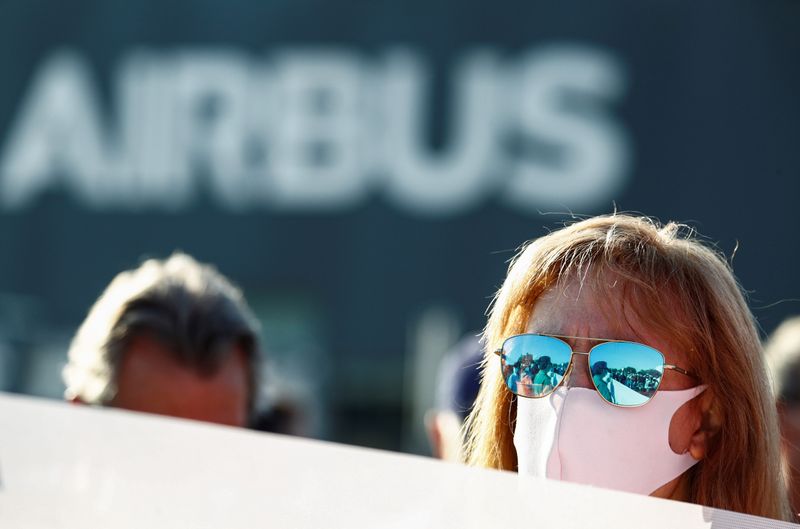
column 70, row 466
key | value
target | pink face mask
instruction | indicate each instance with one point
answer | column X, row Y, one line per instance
column 573, row 435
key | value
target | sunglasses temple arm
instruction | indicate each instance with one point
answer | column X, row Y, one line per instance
column 679, row 370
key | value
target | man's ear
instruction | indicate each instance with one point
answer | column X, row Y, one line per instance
column 434, row 435
column 444, row 433
column 709, row 426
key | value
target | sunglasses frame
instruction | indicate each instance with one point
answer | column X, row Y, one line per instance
column 562, row 338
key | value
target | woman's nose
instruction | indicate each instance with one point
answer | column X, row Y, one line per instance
column 579, row 377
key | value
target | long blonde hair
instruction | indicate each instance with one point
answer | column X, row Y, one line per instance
column 686, row 292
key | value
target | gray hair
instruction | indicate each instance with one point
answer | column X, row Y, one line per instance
column 189, row 307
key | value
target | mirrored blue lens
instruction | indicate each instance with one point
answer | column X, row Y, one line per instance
column 626, row 373
column 534, row 365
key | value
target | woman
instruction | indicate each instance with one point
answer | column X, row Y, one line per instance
column 650, row 302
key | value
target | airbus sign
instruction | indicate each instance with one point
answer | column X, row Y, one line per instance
column 321, row 129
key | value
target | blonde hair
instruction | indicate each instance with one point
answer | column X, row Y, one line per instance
column 687, row 293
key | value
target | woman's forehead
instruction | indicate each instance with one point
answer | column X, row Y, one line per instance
column 571, row 308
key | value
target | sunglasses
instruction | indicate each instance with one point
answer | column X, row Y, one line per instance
column 625, row 374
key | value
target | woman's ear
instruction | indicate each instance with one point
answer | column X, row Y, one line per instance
column 709, row 425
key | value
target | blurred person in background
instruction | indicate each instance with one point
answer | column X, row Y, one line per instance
column 628, row 291
column 783, row 357
column 284, row 416
column 171, row 337
column 457, row 386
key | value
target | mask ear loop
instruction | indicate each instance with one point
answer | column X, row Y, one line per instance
column 511, row 419
column 514, row 399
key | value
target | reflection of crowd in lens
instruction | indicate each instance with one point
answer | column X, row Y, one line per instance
column 643, row 381
column 534, row 376
column 601, row 376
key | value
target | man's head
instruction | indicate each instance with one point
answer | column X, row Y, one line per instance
column 171, row 337
column 600, row 368
column 457, row 386
column 783, row 356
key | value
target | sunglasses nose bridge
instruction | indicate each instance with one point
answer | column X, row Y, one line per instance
column 579, row 371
